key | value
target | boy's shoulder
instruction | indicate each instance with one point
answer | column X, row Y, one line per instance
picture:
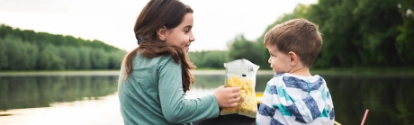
column 293, row 80
column 277, row 78
column 292, row 76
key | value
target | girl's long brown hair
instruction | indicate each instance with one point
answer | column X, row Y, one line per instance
column 156, row 14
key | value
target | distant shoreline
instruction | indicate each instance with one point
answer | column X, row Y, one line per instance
column 199, row 72
column 103, row 73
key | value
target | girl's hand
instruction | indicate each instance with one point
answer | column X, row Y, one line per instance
column 227, row 97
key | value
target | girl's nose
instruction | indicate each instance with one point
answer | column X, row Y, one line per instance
column 192, row 38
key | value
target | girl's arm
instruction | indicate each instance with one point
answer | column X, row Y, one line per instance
column 175, row 107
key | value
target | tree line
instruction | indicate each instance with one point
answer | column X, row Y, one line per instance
column 356, row 33
column 211, row 59
column 29, row 50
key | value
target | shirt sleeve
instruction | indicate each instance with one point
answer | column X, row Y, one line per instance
column 266, row 111
column 121, row 75
column 175, row 108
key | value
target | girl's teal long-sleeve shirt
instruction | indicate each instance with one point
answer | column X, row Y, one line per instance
column 153, row 95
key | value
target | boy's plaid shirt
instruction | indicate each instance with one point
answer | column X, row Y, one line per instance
column 296, row 100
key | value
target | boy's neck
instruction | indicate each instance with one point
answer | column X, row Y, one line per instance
column 300, row 71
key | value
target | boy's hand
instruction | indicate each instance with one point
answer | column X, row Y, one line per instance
column 227, row 97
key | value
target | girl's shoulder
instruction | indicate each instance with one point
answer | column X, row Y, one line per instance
column 152, row 61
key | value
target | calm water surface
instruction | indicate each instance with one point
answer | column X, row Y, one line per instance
column 91, row 98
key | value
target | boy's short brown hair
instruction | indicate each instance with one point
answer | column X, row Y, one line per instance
column 297, row 35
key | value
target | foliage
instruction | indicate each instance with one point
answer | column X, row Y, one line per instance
column 243, row 48
column 356, row 33
column 41, row 38
column 28, row 50
column 405, row 39
column 209, row 59
column 255, row 51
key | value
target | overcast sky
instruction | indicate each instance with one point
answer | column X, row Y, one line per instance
column 216, row 22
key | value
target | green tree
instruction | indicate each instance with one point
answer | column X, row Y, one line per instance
column 357, row 32
column 30, row 50
column 71, row 57
column 115, row 59
column 215, row 59
column 98, row 59
column 196, row 58
column 16, row 54
column 3, row 54
column 300, row 11
column 57, row 40
column 209, row 59
column 243, row 48
column 84, row 58
column 48, row 59
column 405, row 40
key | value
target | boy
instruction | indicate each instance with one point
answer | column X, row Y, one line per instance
column 293, row 96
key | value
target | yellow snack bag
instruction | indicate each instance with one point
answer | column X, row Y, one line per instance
column 242, row 73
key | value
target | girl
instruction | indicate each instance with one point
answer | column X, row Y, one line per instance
column 155, row 76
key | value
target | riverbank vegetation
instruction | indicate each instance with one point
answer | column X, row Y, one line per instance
column 359, row 36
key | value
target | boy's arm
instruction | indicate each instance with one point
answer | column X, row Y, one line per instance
column 266, row 111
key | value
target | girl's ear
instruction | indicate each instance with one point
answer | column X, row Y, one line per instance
column 162, row 33
column 294, row 58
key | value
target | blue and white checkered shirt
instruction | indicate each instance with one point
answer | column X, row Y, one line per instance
column 296, row 100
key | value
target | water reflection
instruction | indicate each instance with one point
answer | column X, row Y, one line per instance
column 37, row 99
column 104, row 111
column 18, row 92
column 212, row 81
column 388, row 98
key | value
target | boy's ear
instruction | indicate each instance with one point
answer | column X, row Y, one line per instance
column 162, row 33
column 294, row 58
